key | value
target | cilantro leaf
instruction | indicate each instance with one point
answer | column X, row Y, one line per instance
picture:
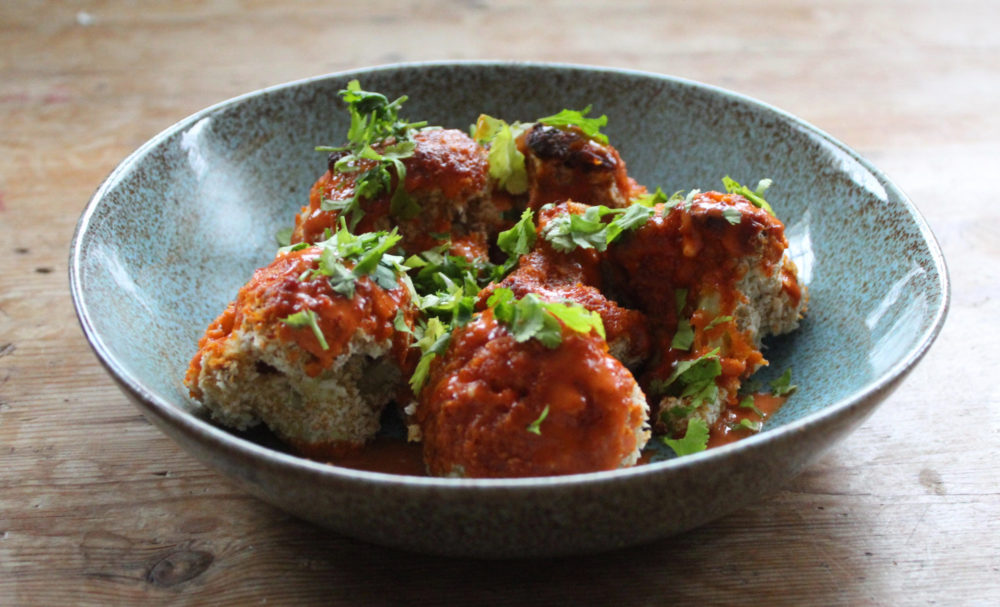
column 755, row 197
column 684, row 337
column 368, row 251
column 634, row 217
column 532, row 318
column 680, row 300
column 695, row 438
column 506, row 162
column 284, row 237
column 577, row 317
column 535, row 427
column 718, row 320
column 746, row 424
column 650, row 200
column 307, row 318
column 374, row 122
column 591, row 127
column 783, row 386
column 433, row 341
column 518, row 240
column 732, row 215
column 569, row 231
column 695, row 379
column 748, row 403
column 692, row 371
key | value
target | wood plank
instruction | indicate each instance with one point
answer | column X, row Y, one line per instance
column 98, row 507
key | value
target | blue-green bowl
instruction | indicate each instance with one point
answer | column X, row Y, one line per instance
column 182, row 223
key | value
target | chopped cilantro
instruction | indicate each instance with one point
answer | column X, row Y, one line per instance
column 374, row 122
column 399, row 322
column 576, row 317
column 306, row 318
column 532, row 318
column 732, row 215
column 746, row 424
column 453, row 302
column 684, row 337
column 284, row 237
column 591, row 127
column 718, row 320
column 754, row 196
column 518, row 240
column 680, row 300
column 505, row 160
column 635, row 216
column 748, row 403
column 535, row 427
column 694, row 378
column 783, row 386
column 695, row 438
column 368, row 251
column 434, row 338
column 569, row 230
column 650, row 200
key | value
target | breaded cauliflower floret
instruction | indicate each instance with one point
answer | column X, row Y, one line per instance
column 577, row 276
column 499, row 407
column 446, row 178
column 313, row 364
column 713, row 277
column 565, row 164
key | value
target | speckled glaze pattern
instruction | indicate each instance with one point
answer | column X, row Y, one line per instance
column 180, row 225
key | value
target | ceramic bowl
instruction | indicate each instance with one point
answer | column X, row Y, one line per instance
column 181, row 224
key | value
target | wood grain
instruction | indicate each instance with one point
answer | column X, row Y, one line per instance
column 97, row 507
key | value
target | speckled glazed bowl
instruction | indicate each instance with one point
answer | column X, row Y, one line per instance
column 181, row 224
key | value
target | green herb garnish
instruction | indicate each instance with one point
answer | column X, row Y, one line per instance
column 746, row 424
column 718, row 320
column 569, row 230
column 433, row 340
column 535, row 427
column 748, row 403
column 783, row 386
column 732, row 215
column 368, row 252
column 284, row 237
column 693, row 378
column 505, row 160
column 531, row 318
column 591, row 127
column 374, row 122
column 649, row 200
column 684, row 337
column 695, row 438
column 306, row 318
column 754, row 196
column 517, row 241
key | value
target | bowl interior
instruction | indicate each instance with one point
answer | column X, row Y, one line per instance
column 176, row 230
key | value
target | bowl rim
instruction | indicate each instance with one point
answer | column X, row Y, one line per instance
column 183, row 421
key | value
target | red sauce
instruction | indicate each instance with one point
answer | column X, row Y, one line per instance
column 565, row 164
column 479, row 403
column 276, row 291
column 446, row 173
column 388, row 455
column 726, row 429
column 397, row 456
column 701, row 252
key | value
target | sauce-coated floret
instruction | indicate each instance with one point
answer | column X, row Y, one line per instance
column 495, row 407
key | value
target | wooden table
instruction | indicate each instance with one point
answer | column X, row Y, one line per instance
column 97, row 507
